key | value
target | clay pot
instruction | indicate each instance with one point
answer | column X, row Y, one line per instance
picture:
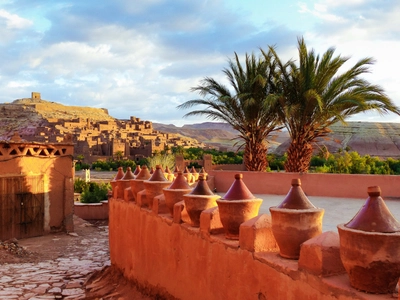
column 137, row 170
column 370, row 246
column 168, row 174
column 199, row 199
column 155, row 184
column 174, row 193
column 295, row 221
column 113, row 182
column 194, row 174
column 204, row 173
column 238, row 205
column 137, row 183
column 188, row 175
column 124, row 182
column 176, row 170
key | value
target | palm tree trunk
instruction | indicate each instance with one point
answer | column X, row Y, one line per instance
column 255, row 156
column 299, row 156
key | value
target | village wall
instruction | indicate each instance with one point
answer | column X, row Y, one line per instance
column 54, row 163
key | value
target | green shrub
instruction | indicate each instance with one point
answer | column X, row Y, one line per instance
column 80, row 185
column 95, row 192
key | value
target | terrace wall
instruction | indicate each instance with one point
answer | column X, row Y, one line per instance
column 164, row 254
column 313, row 184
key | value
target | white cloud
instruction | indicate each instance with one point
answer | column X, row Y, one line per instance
column 14, row 21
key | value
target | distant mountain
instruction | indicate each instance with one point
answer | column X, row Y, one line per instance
column 217, row 134
column 375, row 139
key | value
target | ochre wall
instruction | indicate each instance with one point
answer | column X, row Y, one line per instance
column 179, row 260
column 313, row 184
column 55, row 162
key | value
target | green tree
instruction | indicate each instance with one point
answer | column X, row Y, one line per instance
column 316, row 95
column 118, row 155
column 249, row 106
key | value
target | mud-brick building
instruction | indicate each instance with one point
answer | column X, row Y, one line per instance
column 36, row 188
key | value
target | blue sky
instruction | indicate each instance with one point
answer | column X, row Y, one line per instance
column 140, row 58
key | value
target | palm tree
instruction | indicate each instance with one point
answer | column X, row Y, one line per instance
column 249, row 106
column 314, row 96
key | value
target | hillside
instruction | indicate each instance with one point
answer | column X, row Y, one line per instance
column 375, row 139
column 27, row 115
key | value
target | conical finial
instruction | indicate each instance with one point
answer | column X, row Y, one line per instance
column 193, row 170
column 201, row 188
column 151, row 170
column 158, row 175
column 176, row 170
column 137, row 170
column 144, row 173
column 180, row 183
column 238, row 190
column 296, row 199
column 120, row 174
column 374, row 216
column 128, row 175
column 167, row 170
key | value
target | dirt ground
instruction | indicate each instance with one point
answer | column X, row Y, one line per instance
column 43, row 248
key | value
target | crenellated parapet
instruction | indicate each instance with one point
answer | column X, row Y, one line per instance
column 200, row 262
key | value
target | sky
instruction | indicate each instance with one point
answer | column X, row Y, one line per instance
column 141, row 58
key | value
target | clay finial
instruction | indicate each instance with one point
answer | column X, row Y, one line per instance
column 238, row 190
column 201, row 188
column 176, row 170
column 296, row 199
column 158, row 175
column 193, row 170
column 167, row 170
column 374, row 216
column 144, row 173
column 137, row 170
column 179, row 183
column 128, row 175
column 120, row 174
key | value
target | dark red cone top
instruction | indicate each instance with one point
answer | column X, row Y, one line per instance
column 238, row 190
column 158, row 175
column 137, row 170
column 144, row 173
column 180, row 183
column 176, row 170
column 201, row 188
column 151, row 170
column 374, row 216
column 296, row 199
column 120, row 174
column 193, row 170
column 167, row 170
column 186, row 170
column 128, row 175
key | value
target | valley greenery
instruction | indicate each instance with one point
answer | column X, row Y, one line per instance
column 344, row 161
